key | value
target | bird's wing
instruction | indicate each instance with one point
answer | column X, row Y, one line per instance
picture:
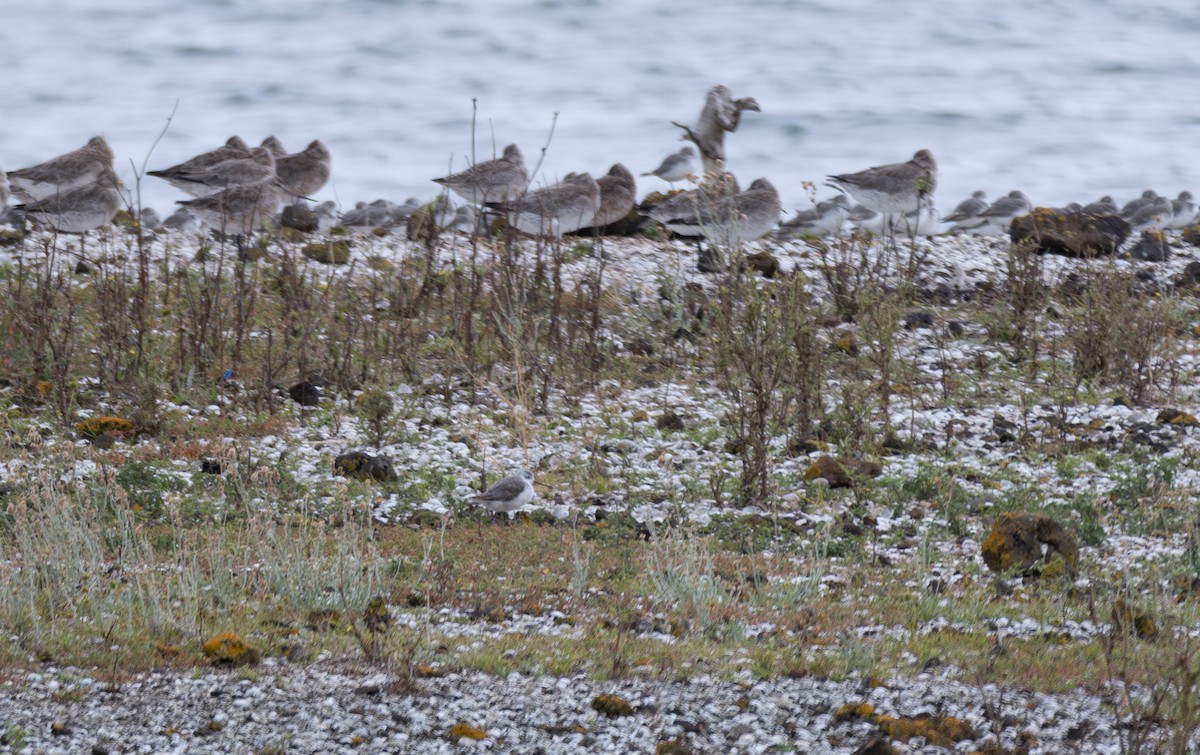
column 509, row 487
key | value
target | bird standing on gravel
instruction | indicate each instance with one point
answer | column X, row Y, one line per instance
column 893, row 189
column 676, row 167
column 507, row 495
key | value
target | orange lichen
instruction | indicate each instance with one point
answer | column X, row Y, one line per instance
column 463, row 730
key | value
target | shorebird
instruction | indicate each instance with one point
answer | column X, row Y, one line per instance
column 864, row 219
column 559, row 208
column 501, row 180
column 966, row 215
column 304, row 173
column 255, row 167
column 275, row 146
column 1132, row 206
column 920, row 222
column 80, row 209
column 1184, row 212
column 238, row 210
column 377, row 214
column 507, row 495
column 60, row 174
column 824, row 219
column 676, row 167
column 891, row 189
column 727, row 222
column 233, row 148
column 1004, row 210
column 677, row 209
column 183, row 220
column 402, row 212
column 1103, row 206
column 618, row 190
column 464, row 220
column 1153, row 216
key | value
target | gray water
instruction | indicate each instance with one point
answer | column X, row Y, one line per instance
column 1065, row 100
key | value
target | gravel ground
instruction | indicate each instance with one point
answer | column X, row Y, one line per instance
column 326, row 708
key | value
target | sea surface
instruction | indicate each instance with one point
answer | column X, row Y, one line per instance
column 1066, row 100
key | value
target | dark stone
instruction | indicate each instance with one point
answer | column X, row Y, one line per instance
column 955, row 328
column 683, row 334
column 631, row 225
column 710, row 261
column 876, row 745
column 1189, row 277
column 1019, row 540
column 1005, row 430
column 299, row 217
column 210, row 466
column 305, row 393
column 844, row 472
column 919, row 319
column 83, row 268
column 763, row 263
column 1151, row 247
column 1071, row 234
column 642, row 347
column 360, row 466
column 669, row 420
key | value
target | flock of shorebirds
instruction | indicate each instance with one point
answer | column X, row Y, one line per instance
column 235, row 188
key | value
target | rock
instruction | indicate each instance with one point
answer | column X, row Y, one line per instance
column 305, row 393
column 374, row 405
column 677, row 746
column 613, row 706
column 462, row 730
column 332, row 252
column 709, row 260
column 876, row 745
column 1127, row 619
column 421, row 226
column 641, row 347
column 1192, row 236
column 854, row 711
column 228, row 648
column 210, row 466
column 937, row 731
column 300, row 218
column 919, row 319
column 1189, row 277
column 1071, row 234
column 631, row 225
column 763, row 263
column 669, row 421
column 1176, row 417
column 1151, row 247
column 1017, row 539
column 360, row 466
column 111, row 427
column 842, row 473
column 846, row 343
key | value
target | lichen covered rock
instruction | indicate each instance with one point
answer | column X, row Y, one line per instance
column 113, row 427
column 938, row 731
column 1071, row 234
column 842, row 473
column 229, row 648
column 331, row 252
column 1019, row 540
column 462, row 730
column 361, row 466
column 612, row 706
